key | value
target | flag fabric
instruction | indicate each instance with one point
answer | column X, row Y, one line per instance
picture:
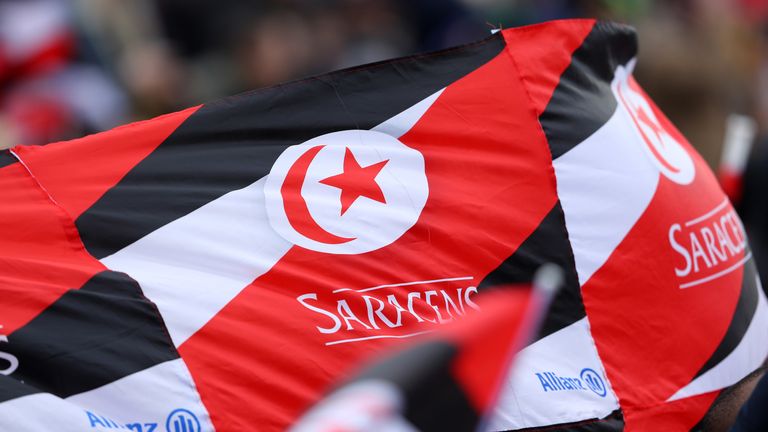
column 219, row 267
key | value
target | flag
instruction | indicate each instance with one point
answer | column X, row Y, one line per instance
column 221, row 266
column 740, row 132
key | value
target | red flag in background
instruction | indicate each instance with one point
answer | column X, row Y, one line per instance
column 447, row 380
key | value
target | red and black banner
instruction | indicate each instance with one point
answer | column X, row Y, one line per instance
column 221, row 267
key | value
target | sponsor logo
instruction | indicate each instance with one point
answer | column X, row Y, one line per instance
column 352, row 315
column 588, row 380
column 710, row 246
column 104, row 422
column 346, row 192
column 179, row 420
column 669, row 156
column 182, row 420
column 594, row 382
column 8, row 362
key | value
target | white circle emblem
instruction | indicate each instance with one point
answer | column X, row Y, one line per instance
column 346, row 192
column 669, row 156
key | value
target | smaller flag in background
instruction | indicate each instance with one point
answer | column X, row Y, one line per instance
column 740, row 132
column 446, row 381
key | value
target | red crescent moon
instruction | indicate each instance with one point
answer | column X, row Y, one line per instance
column 296, row 209
column 659, row 157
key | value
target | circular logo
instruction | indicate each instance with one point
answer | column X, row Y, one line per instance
column 346, row 192
column 666, row 152
column 594, row 382
column 182, row 420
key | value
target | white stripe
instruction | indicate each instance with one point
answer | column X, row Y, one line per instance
column 707, row 214
column 745, row 358
column 379, row 337
column 398, row 125
column 524, row 402
column 44, row 412
column 718, row 274
column 605, row 184
column 405, row 284
column 148, row 396
column 192, row 267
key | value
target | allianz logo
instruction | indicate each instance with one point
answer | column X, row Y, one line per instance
column 588, row 380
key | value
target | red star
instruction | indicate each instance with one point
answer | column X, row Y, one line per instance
column 357, row 181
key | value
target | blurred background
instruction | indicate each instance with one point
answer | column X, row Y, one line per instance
column 73, row 67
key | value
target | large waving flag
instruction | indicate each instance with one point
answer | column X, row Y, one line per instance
column 219, row 267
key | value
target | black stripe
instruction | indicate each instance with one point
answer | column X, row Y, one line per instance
column 548, row 244
column 6, row 158
column 614, row 422
column 90, row 337
column 582, row 101
column 13, row 389
column 742, row 317
column 435, row 401
column 231, row 143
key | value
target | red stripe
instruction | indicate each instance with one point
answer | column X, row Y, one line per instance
column 540, row 69
column 76, row 173
column 40, row 253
